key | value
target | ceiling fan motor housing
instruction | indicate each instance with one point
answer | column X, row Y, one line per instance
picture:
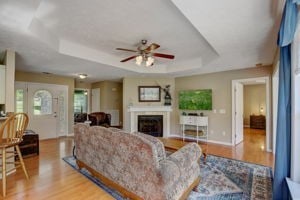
column 144, row 42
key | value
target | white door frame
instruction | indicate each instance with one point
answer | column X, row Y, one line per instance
column 275, row 84
column 266, row 79
column 25, row 85
column 96, row 103
column 239, row 105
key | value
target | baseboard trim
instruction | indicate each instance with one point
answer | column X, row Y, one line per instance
column 203, row 140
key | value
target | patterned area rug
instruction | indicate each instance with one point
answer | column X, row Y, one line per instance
column 221, row 179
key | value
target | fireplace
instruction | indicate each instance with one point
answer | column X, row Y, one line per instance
column 135, row 111
column 151, row 125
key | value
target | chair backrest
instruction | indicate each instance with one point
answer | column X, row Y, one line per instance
column 14, row 126
column 99, row 118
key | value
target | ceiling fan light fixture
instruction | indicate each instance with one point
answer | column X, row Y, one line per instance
column 149, row 61
column 139, row 60
column 82, row 76
column 145, row 54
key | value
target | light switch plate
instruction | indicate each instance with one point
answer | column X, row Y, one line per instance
column 222, row 111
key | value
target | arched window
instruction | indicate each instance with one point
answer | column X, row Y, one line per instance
column 42, row 102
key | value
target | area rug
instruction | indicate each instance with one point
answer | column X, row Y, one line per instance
column 221, row 179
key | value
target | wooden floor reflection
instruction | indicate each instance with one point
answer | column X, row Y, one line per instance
column 252, row 149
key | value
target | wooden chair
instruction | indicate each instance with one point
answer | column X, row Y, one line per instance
column 11, row 133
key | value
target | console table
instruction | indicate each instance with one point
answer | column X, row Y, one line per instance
column 194, row 127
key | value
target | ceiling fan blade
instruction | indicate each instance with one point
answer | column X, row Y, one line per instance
column 126, row 50
column 152, row 47
column 163, row 55
column 126, row 59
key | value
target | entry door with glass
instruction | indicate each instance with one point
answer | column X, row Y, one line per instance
column 46, row 106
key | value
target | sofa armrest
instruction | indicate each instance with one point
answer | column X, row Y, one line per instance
column 169, row 171
column 186, row 155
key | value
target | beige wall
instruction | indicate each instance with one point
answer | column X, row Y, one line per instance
column 220, row 83
column 130, row 95
column 83, row 85
column 52, row 79
column 254, row 100
column 111, row 95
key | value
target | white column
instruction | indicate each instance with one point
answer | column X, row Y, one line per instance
column 167, row 126
column 10, row 81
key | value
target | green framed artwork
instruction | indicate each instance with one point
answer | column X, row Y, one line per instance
column 195, row 99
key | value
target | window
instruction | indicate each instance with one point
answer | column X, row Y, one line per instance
column 19, row 100
column 42, row 102
column 80, row 101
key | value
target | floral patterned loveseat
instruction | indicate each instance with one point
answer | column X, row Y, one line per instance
column 136, row 164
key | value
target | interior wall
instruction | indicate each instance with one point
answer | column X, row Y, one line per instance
column 130, row 95
column 220, row 117
column 111, row 95
column 254, row 101
column 83, row 85
column 52, row 79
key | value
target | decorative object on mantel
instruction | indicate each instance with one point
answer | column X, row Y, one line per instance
column 149, row 93
column 168, row 97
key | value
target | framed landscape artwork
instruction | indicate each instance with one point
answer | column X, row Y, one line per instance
column 195, row 99
column 149, row 93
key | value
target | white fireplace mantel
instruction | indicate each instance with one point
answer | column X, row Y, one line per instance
column 150, row 110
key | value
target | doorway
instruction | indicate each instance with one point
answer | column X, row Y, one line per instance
column 261, row 109
column 95, row 100
column 46, row 106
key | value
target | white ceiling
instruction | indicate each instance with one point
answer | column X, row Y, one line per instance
column 67, row 37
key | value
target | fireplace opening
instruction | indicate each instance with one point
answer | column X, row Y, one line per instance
column 151, row 125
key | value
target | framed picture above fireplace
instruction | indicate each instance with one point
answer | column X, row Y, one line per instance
column 149, row 93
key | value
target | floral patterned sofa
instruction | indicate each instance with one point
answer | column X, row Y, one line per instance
column 136, row 164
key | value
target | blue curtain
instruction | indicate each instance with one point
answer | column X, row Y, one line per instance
column 283, row 134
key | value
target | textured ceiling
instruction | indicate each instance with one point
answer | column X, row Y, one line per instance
column 70, row 37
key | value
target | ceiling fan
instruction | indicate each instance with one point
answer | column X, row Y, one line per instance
column 145, row 53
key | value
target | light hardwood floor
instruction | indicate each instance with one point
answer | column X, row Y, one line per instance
column 52, row 178
column 252, row 149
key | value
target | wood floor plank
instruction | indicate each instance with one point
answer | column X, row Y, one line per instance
column 52, row 178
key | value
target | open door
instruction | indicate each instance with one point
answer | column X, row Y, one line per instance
column 95, row 100
column 239, row 112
